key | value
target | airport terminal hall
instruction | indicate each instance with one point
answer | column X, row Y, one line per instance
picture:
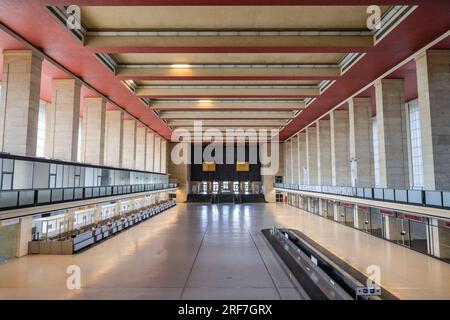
column 224, row 150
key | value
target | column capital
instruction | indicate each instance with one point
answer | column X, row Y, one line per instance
column 21, row 53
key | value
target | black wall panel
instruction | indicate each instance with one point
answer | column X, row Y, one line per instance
column 226, row 172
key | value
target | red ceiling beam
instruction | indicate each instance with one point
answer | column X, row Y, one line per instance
column 226, row 2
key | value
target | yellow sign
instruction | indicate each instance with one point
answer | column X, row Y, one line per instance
column 243, row 166
column 209, row 166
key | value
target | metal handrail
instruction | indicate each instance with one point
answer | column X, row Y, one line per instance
column 426, row 198
column 36, row 197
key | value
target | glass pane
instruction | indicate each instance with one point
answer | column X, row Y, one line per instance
column 78, row 193
column 6, row 181
column 69, row 176
column 376, row 223
column 43, row 196
column 400, row 232
column 89, row 177
column 26, row 198
column 8, row 199
column 57, row 195
column 8, row 165
column 59, row 175
column 52, row 181
column 23, row 175
column 363, row 220
column 444, row 240
column 418, row 234
column 433, row 198
column 68, row 194
column 41, row 175
column 330, row 210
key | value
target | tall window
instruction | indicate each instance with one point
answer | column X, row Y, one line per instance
column 415, row 144
column 376, row 158
column 40, row 146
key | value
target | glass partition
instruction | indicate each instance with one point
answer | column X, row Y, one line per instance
column 440, row 199
column 26, row 181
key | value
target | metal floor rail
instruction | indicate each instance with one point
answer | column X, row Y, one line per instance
column 320, row 274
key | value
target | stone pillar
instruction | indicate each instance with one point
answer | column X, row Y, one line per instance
column 113, row 138
column 361, row 149
column 392, row 137
column 180, row 173
column 269, row 180
column 294, row 169
column 24, row 236
column 93, row 133
column 129, row 144
column 311, row 154
column 62, row 121
column 19, row 103
column 324, row 153
column 163, row 156
column 149, row 162
column 302, row 159
column 433, row 83
column 288, row 167
column 157, row 155
column 141, row 147
column 340, row 156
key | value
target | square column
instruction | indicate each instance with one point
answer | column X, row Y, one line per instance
column 294, row 169
column 141, row 147
column 340, row 155
column 129, row 144
column 311, row 154
column 157, row 155
column 180, row 173
column 149, row 159
column 288, row 166
column 113, row 138
column 19, row 104
column 361, row 149
column 269, row 179
column 302, row 158
column 392, row 134
column 163, row 156
column 24, row 236
column 63, row 120
column 93, row 133
column 324, row 153
column 433, row 83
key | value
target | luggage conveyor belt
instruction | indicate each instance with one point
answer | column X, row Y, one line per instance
column 320, row 274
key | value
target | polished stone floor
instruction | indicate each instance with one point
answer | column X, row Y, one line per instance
column 196, row 251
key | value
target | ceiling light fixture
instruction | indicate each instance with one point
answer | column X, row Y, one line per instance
column 180, row 66
column 205, row 101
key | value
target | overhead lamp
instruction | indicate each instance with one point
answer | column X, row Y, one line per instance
column 180, row 66
column 205, row 101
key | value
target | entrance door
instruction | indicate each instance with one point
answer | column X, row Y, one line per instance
column 215, row 189
column 236, row 187
column 203, row 187
column 246, row 187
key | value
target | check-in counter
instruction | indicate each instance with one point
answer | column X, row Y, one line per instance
column 83, row 240
column 89, row 237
